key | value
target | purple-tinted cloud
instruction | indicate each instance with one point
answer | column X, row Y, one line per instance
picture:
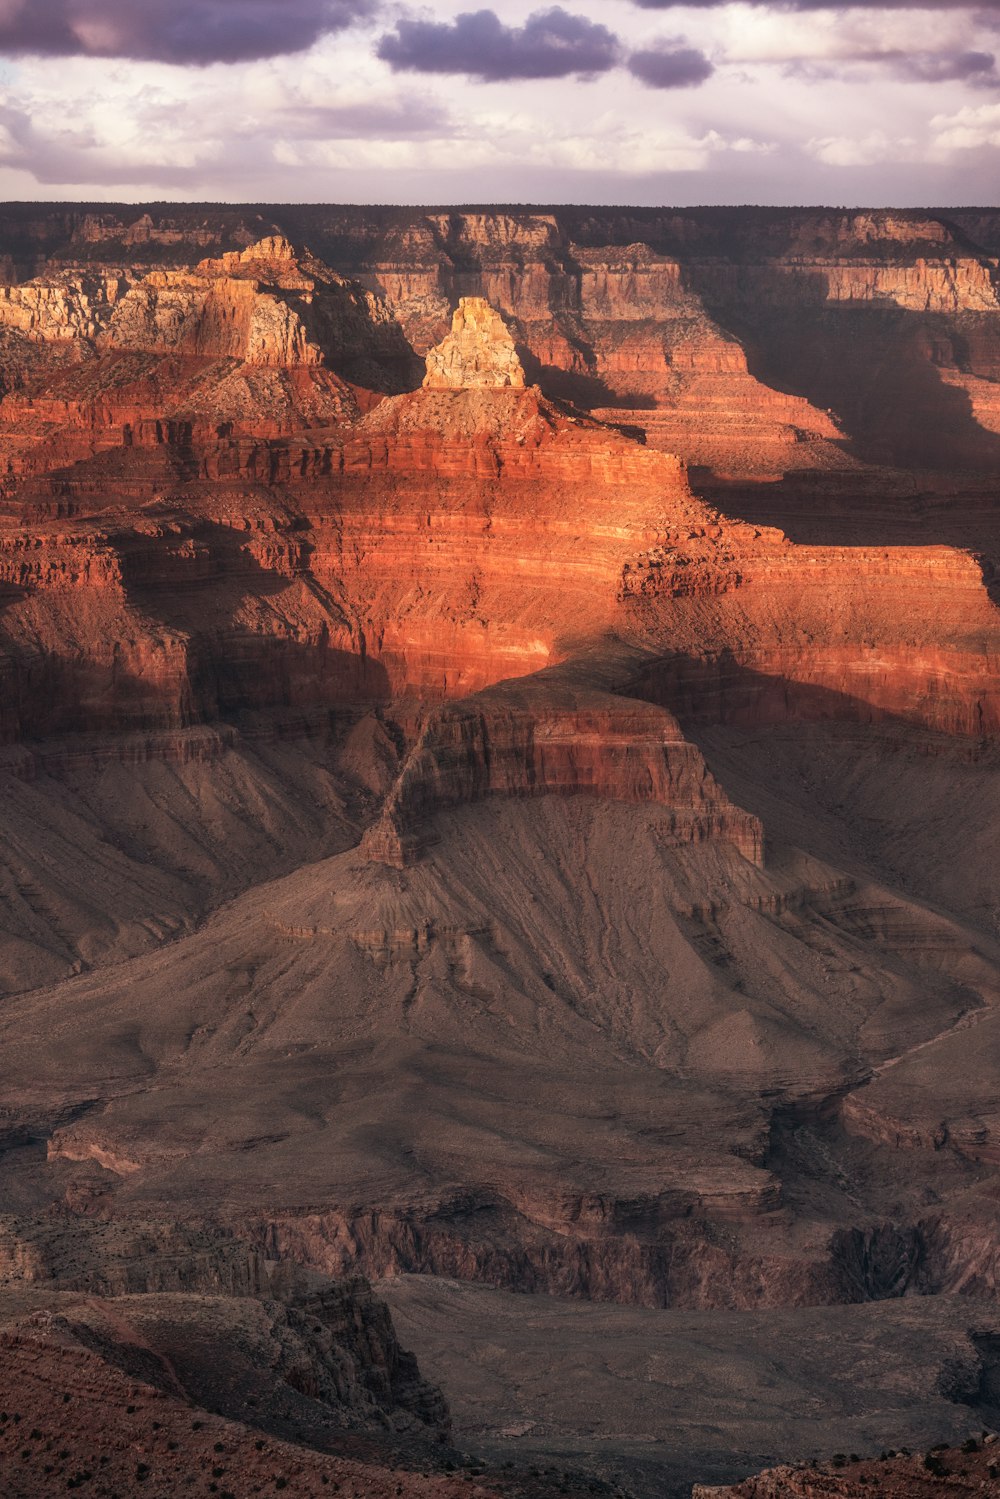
column 978, row 68
column 174, row 31
column 550, row 44
column 383, row 120
column 670, row 66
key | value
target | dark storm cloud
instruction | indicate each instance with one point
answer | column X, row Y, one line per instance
column 174, row 31
column 977, row 68
column 670, row 66
column 550, row 44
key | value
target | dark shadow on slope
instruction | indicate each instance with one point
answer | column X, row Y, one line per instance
column 865, row 508
column 218, row 677
column 360, row 348
column 206, row 655
column 233, row 668
column 875, row 366
column 722, row 690
column 581, row 390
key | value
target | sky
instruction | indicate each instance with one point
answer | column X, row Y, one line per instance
column 588, row 101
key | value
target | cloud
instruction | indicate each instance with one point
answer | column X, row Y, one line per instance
column 670, row 65
column 173, row 31
column 73, row 154
column 969, row 129
column 859, row 151
column 550, row 44
column 376, row 120
column 977, row 68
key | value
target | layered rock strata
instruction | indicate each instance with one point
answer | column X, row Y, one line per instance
column 551, row 740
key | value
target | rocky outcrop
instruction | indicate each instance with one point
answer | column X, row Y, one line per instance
column 478, row 354
column 150, row 1391
column 218, row 317
column 68, row 308
column 351, row 1361
column 553, row 740
column 267, row 306
column 973, row 1468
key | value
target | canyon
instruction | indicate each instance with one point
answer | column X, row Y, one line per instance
column 500, row 947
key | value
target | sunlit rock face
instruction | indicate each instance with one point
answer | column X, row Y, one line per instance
column 478, row 354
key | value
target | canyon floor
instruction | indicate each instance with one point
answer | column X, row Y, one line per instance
column 500, row 939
